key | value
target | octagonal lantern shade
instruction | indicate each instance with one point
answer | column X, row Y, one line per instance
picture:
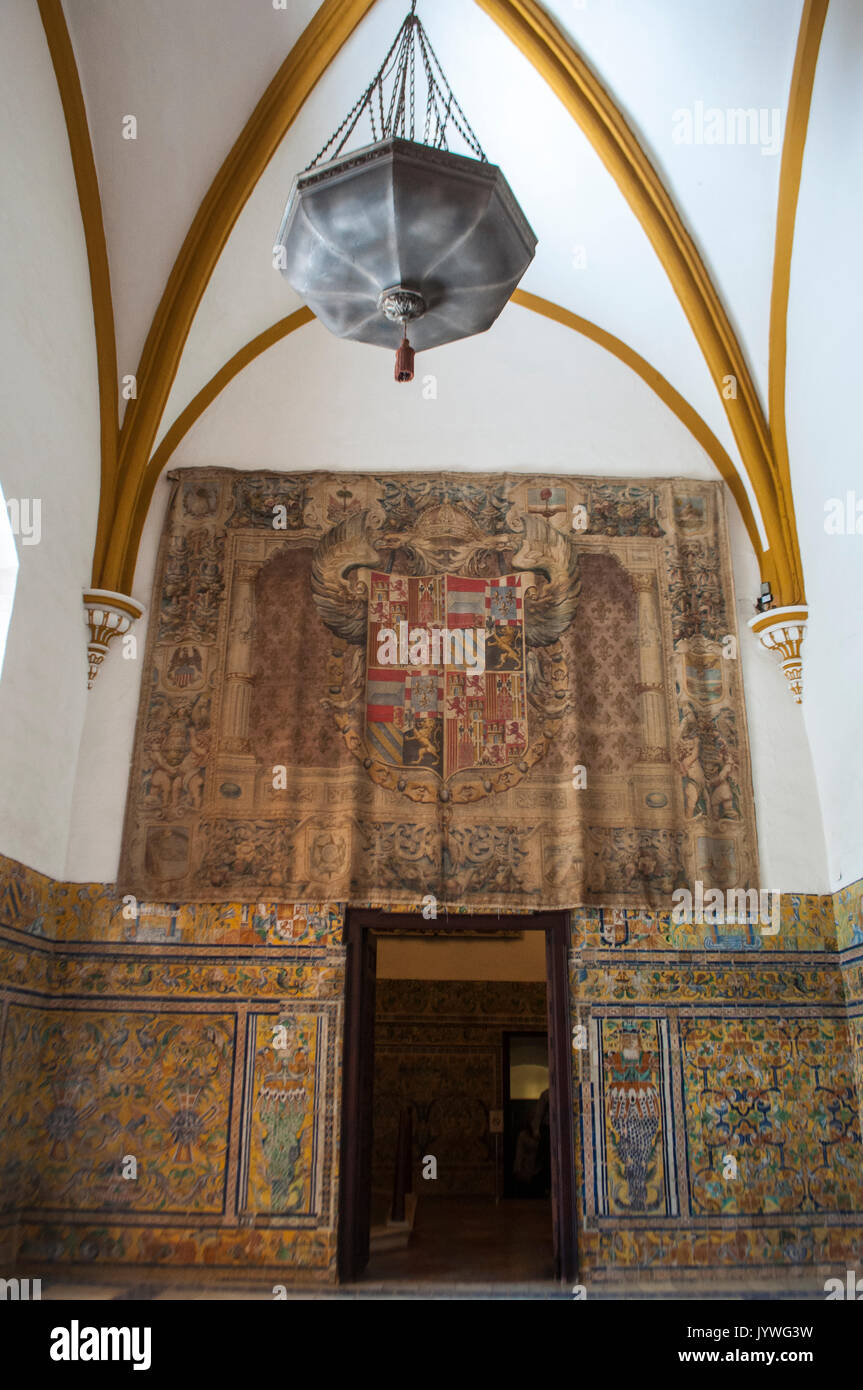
column 401, row 214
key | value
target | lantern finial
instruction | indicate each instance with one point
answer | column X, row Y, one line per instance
column 401, row 305
column 405, row 361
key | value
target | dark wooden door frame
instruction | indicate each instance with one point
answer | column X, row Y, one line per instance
column 357, row 1082
column 561, row 1108
column 358, row 1065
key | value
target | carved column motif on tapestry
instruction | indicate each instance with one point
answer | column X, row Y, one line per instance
column 651, row 687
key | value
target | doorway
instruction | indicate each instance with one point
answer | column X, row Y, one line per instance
column 547, row 1210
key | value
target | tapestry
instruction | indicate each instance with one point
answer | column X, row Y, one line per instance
column 496, row 691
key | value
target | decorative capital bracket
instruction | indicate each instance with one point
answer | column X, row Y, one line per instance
column 781, row 630
column 109, row 615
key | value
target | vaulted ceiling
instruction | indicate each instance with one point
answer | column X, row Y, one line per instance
column 661, row 272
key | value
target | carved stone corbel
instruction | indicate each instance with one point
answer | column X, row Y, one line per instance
column 781, row 630
column 109, row 615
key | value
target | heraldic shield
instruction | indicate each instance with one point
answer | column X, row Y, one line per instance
column 445, row 672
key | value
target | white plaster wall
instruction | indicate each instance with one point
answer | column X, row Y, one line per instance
column 787, row 807
column 823, row 407
column 105, row 754
column 191, row 72
column 529, row 396
column 664, row 56
column 49, row 446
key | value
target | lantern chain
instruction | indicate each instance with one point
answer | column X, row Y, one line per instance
column 442, row 107
column 413, row 78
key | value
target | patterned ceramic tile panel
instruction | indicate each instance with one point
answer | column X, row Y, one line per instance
column 848, row 911
column 747, row 1249
column 120, row 1035
column 184, row 976
column 805, row 924
column 82, row 914
column 220, row 1122
column 855, row 1030
column 82, row 1093
column 693, row 978
column 301, row 1255
column 852, row 974
column 33, row 903
column 717, row 1106
column 284, row 1137
column 698, row 1044
column 778, row 1096
column 808, row 924
column 716, row 1139
column 24, row 896
column 633, row 1125
column 23, row 967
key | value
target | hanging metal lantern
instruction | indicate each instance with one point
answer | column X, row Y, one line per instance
column 403, row 234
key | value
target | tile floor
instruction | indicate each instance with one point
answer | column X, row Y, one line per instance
column 464, row 1241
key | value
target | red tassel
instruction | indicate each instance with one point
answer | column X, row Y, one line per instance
column 405, row 361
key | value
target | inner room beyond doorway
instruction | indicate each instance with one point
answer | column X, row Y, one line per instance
column 461, row 1075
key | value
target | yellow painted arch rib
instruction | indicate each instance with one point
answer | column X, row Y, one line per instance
column 793, row 145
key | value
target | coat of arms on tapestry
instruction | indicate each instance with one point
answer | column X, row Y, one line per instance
column 506, row 691
column 436, row 703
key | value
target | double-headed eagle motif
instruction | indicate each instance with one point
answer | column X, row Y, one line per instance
column 445, row 539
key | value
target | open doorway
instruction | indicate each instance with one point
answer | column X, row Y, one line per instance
column 457, row 1164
